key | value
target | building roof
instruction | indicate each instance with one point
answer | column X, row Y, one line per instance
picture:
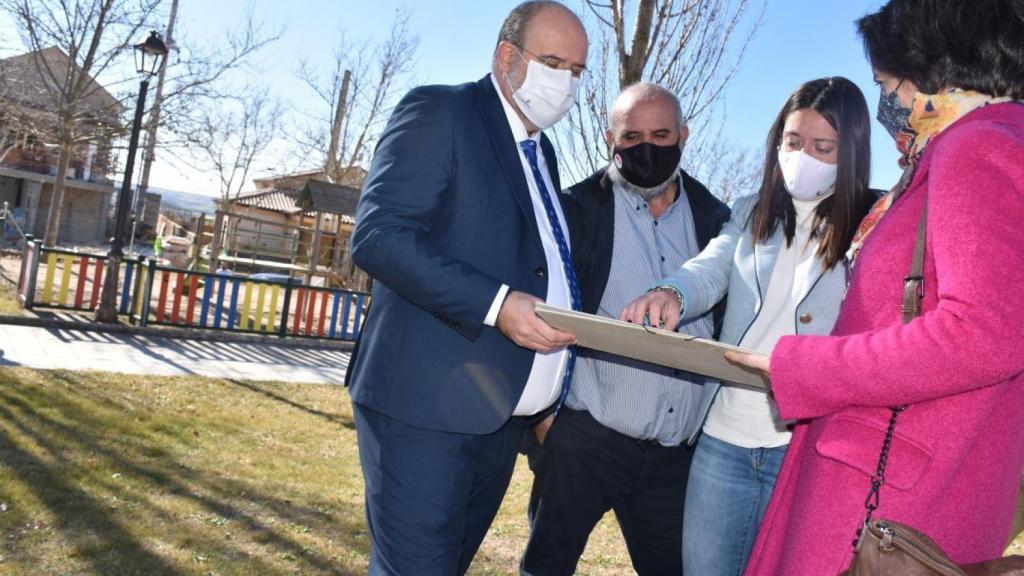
column 353, row 177
column 274, row 200
column 22, row 81
column 329, row 198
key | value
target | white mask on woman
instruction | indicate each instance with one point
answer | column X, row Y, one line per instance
column 806, row 177
column 546, row 94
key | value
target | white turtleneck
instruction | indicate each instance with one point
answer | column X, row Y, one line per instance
column 748, row 418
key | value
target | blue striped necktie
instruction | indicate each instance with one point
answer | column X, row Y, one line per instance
column 530, row 149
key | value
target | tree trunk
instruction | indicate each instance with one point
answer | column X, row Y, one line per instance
column 631, row 65
column 331, row 167
column 57, row 196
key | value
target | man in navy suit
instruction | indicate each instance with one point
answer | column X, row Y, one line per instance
column 460, row 226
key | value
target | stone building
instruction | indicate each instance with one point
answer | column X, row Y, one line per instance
column 28, row 157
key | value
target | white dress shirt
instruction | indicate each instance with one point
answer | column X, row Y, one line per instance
column 545, row 381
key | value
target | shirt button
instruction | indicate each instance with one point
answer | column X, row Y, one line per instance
column 662, row 258
column 805, row 318
column 540, row 271
column 671, row 410
column 655, row 222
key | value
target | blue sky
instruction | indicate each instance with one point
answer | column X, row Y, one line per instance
column 798, row 40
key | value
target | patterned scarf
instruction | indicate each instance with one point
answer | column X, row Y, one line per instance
column 930, row 114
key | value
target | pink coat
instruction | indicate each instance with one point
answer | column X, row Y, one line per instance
column 958, row 453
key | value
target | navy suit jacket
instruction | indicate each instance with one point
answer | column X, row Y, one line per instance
column 444, row 220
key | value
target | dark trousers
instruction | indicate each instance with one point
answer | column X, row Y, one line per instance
column 585, row 469
column 430, row 495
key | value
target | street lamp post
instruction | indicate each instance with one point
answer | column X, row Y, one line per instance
column 148, row 57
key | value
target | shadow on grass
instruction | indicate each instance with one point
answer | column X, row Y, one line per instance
column 332, row 418
column 53, row 440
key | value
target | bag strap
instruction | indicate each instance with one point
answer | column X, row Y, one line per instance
column 913, row 284
column 913, row 294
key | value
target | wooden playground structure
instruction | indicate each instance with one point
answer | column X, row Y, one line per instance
column 315, row 247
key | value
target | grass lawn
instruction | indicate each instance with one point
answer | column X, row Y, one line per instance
column 108, row 474
column 9, row 305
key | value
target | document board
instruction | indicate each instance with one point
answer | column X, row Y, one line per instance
column 654, row 345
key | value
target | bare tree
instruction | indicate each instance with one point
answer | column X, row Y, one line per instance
column 691, row 47
column 729, row 171
column 344, row 127
column 232, row 137
column 74, row 46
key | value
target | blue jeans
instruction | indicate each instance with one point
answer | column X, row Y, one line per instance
column 726, row 497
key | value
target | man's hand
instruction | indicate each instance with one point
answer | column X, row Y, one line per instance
column 661, row 307
column 540, row 429
column 520, row 324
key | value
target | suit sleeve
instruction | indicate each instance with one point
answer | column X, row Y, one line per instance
column 407, row 184
column 973, row 336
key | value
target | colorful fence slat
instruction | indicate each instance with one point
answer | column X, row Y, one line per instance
column 66, row 263
column 83, row 273
column 179, row 286
column 29, row 267
column 165, row 280
column 246, row 321
column 299, row 301
column 309, row 312
column 274, row 293
column 139, row 291
column 193, row 291
column 51, row 266
column 261, row 293
column 97, row 282
column 324, row 297
column 233, row 309
column 345, row 314
column 126, row 287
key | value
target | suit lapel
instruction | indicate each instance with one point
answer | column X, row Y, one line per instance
column 765, row 255
column 505, row 148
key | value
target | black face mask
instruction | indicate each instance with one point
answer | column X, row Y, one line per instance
column 647, row 165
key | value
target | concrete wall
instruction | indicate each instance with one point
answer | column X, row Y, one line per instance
column 83, row 219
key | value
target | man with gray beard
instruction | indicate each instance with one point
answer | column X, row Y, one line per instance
column 623, row 439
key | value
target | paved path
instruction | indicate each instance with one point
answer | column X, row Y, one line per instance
column 51, row 348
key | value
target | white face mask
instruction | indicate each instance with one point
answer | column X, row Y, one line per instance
column 546, row 95
column 806, row 177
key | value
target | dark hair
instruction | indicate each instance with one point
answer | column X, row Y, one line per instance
column 836, row 218
column 976, row 45
column 514, row 27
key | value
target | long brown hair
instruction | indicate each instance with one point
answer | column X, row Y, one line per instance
column 836, row 218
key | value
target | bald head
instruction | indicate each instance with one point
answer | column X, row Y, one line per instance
column 645, row 94
column 514, row 28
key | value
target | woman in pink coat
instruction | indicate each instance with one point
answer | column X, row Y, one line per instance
column 951, row 75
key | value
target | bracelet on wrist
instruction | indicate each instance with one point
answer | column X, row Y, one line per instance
column 673, row 291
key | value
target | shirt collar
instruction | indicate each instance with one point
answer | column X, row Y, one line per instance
column 514, row 121
column 639, row 202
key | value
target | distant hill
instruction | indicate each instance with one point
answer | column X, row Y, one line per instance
column 185, row 200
